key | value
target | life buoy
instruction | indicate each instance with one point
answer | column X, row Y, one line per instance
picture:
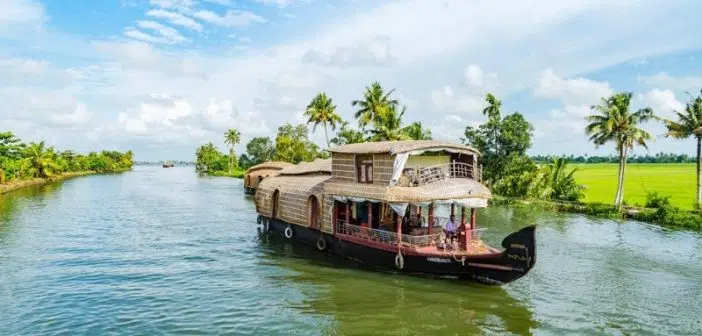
column 399, row 261
column 321, row 243
column 288, row 232
column 259, row 219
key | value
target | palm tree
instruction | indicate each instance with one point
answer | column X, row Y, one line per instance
column 614, row 122
column 493, row 108
column 690, row 124
column 375, row 103
column 389, row 126
column 322, row 110
column 231, row 138
column 347, row 135
column 417, row 132
column 554, row 182
column 39, row 161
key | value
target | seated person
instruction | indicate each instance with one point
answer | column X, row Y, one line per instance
column 451, row 229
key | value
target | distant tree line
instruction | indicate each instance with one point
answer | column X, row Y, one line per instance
column 657, row 158
column 22, row 161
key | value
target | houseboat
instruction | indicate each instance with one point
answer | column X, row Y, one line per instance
column 257, row 173
column 405, row 205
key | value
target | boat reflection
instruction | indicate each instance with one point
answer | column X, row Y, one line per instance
column 388, row 303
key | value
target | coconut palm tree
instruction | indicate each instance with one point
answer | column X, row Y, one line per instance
column 689, row 124
column 39, row 161
column 613, row 122
column 389, row 126
column 231, row 138
column 417, row 132
column 375, row 103
column 322, row 110
column 347, row 135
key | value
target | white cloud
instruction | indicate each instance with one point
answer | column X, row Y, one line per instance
column 18, row 14
column 175, row 18
column 663, row 102
column 79, row 116
column 231, row 19
column 279, row 3
column 571, row 91
column 664, row 80
column 170, row 34
column 220, row 2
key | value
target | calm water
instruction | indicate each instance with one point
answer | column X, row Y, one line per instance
column 161, row 251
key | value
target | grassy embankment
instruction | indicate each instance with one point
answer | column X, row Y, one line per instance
column 19, row 184
column 237, row 173
column 673, row 180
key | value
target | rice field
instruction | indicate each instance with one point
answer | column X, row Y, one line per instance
column 670, row 179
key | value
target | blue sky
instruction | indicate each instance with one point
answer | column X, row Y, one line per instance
column 161, row 77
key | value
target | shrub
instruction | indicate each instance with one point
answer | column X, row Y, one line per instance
column 654, row 200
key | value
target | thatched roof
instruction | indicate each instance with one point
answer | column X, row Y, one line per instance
column 319, row 166
column 395, row 147
column 270, row 165
column 451, row 188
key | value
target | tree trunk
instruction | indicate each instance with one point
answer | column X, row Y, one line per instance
column 325, row 134
column 699, row 172
column 620, row 178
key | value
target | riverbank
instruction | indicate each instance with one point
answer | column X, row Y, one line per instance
column 12, row 186
column 666, row 215
column 234, row 174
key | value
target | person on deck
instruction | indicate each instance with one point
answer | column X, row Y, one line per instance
column 451, row 229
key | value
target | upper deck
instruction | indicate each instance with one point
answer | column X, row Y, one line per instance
column 412, row 163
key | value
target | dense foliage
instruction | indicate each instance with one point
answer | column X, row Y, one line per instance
column 21, row 161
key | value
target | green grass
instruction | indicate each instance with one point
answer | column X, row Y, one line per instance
column 668, row 179
column 235, row 173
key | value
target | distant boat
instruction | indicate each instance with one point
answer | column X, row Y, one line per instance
column 168, row 164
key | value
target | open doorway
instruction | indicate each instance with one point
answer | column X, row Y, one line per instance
column 274, row 212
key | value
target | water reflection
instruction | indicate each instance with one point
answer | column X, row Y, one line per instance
column 383, row 303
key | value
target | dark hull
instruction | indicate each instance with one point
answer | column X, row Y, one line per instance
column 513, row 263
column 249, row 191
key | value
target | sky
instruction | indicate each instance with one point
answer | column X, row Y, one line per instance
column 161, row 77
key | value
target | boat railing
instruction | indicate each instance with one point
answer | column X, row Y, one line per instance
column 388, row 237
column 426, row 175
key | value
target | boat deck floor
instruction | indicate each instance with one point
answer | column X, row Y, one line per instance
column 476, row 247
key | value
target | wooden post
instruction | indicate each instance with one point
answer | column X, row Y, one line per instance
column 370, row 214
column 472, row 218
column 431, row 217
column 348, row 213
column 398, row 230
column 464, row 237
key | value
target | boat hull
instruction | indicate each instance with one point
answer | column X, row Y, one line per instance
column 249, row 191
column 494, row 269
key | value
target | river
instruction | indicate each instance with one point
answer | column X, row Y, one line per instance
column 163, row 252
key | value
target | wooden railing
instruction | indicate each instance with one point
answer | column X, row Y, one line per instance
column 426, row 175
column 386, row 237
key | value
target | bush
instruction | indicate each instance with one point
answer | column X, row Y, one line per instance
column 654, row 200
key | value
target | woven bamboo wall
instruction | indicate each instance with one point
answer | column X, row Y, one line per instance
column 382, row 168
column 294, row 193
column 344, row 167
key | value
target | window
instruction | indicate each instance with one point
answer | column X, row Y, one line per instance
column 364, row 168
